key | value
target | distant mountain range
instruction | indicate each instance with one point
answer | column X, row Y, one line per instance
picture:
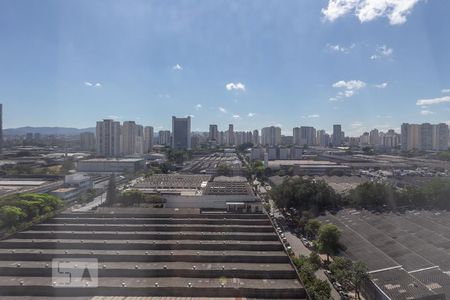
column 47, row 130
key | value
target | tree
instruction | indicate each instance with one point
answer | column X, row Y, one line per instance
column 319, row 290
column 10, row 216
column 111, row 192
column 305, row 194
column 373, row 194
column 132, row 197
column 314, row 260
column 67, row 165
column 359, row 272
column 342, row 267
column 224, row 170
column 312, row 228
column 328, row 239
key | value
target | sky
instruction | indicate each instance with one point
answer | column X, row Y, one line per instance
column 360, row 63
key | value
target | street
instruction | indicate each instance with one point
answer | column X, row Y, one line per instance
column 298, row 247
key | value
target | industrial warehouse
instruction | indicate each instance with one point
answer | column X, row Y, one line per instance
column 407, row 254
column 152, row 252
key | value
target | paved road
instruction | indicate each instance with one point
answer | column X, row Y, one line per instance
column 91, row 205
column 300, row 249
column 100, row 199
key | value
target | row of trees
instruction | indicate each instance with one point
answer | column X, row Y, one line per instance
column 326, row 240
column 130, row 197
column 307, row 266
column 430, row 195
column 315, row 196
column 23, row 208
column 305, row 194
column 350, row 275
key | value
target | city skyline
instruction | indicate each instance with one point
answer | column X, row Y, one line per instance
column 272, row 71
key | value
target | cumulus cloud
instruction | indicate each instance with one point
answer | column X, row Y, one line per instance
column 177, row 67
column 425, row 112
column 381, row 85
column 251, row 115
column 198, row 106
column 340, row 48
column 223, row 110
column 235, row 86
column 236, row 117
column 91, row 84
column 350, row 85
column 347, row 89
column 422, row 102
column 382, row 51
column 445, row 91
column 370, row 10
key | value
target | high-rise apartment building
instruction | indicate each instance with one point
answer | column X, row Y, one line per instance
column 181, row 133
column 148, row 139
column 108, row 138
column 337, row 135
column 129, row 138
column 271, row 136
column 87, row 141
column 308, row 135
column 164, row 138
column 424, row 137
column 1, row 128
column 323, row 138
column 374, row 138
column 297, row 140
column 440, row 137
column 231, row 137
column 213, row 134
column 255, row 138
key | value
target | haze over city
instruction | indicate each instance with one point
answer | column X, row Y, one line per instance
column 362, row 64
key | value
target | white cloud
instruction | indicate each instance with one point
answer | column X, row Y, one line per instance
column 192, row 116
column 350, row 85
column 348, row 89
column 91, row 84
column 235, row 86
column 251, row 115
column 381, row 85
column 236, row 117
column 369, row 10
column 113, row 117
column 356, row 124
column 222, row 110
column 382, row 51
column 425, row 112
column 422, row 102
column 177, row 67
column 164, row 96
column 313, row 116
column 340, row 48
column 445, row 91
column 198, row 106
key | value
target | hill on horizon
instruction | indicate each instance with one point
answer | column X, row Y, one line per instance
column 47, row 130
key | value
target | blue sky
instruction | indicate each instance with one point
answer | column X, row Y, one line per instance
column 361, row 63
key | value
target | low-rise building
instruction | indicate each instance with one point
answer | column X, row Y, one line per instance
column 103, row 165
